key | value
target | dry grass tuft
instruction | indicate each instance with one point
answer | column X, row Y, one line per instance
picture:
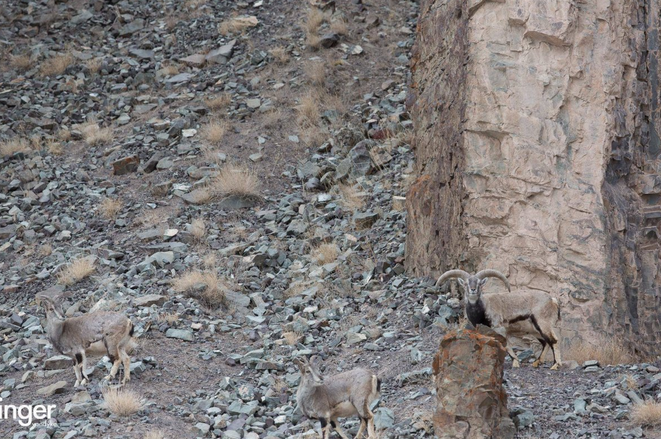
column 20, row 62
column 339, row 26
column 210, row 260
column 64, row 135
column 93, row 134
column 169, row 318
column 154, row 434
column 313, row 41
column 314, row 136
column 110, row 207
column 316, row 73
column 236, row 25
column 76, row 271
column 213, row 132
column 14, row 145
column 169, row 70
column 308, row 109
column 630, row 382
column 45, row 250
column 94, row 65
column 56, row 65
column 315, row 19
column 219, row 102
column 54, row 147
column 350, row 196
column 204, row 286
column 291, row 338
column 234, row 180
column 122, row 402
column 647, row 414
column 280, row 55
column 605, row 351
column 326, row 253
column 198, row 229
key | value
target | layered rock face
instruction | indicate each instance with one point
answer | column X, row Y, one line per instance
column 538, row 154
column 471, row 402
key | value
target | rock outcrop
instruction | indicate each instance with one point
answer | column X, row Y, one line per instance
column 471, row 402
column 538, row 154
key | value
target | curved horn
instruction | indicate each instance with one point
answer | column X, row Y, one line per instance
column 452, row 273
column 494, row 273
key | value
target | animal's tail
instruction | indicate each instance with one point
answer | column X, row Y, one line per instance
column 376, row 385
column 131, row 328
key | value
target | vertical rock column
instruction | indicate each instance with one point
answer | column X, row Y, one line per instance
column 471, row 402
column 538, row 154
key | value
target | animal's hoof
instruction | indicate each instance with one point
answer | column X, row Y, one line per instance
column 535, row 364
column 83, row 382
column 107, row 378
column 555, row 366
column 516, row 364
column 76, row 384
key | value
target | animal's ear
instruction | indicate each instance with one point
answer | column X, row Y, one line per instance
column 483, row 281
column 461, row 282
column 300, row 364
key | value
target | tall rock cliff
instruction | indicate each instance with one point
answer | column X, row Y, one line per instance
column 538, row 154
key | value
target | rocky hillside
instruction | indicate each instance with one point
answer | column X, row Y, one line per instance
column 231, row 175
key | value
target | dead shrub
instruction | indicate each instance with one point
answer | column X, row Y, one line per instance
column 219, row 102
column 605, row 351
column 205, row 286
column 647, row 414
column 237, row 24
column 154, row 434
column 14, row 145
column 316, row 73
column 315, row 19
column 198, row 229
column 213, row 132
column 325, row 253
column 94, row 65
column 122, row 402
column 54, row 147
column 234, row 180
column 339, row 26
column 291, row 338
column 20, row 62
column 308, row 109
column 76, row 271
column 280, row 55
column 110, row 207
column 93, row 134
column 56, row 65
column 350, row 196
column 45, row 250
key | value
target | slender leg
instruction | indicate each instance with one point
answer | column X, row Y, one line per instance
column 539, row 359
column 371, row 433
column 557, row 360
column 515, row 359
column 116, row 361
column 340, row 430
column 77, row 360
column 361, row 429
column 78, row 377
column 126, row 360
column 83, row 369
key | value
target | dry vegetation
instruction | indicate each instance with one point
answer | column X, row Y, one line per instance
column 605, row 351
column 122, row 402
column 308, row 109
column 220, row 102
column 93, row 134
column 20, row 62
column 236, row 25
column 198, row 229
column 94, row 65
column 326, row 253
column 76, row 271
column 110, row 207
column 56, row 65
column 234, row 180
column 54, row 147
column 647, row 414
column 14, row 145
column 339, row 26
column 204, row 286
column 213, row 132
column 155, row 434
column 280, row 55
column 291, row 338
column 316, row 73
column 350, row 196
